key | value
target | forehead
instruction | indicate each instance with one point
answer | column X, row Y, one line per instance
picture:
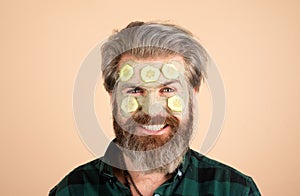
column 129, row 57
column 161, row 67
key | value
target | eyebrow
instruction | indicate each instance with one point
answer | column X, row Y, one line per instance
column 170, row 82
column 132, row 85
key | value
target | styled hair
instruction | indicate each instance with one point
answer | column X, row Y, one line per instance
column 143, row 40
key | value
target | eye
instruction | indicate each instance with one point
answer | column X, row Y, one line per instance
column 135, row 91
column 167, row 90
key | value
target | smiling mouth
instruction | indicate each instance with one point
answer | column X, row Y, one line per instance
column 155, row 129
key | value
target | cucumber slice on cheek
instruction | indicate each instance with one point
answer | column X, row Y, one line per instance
column 129, row 104
column 175, row 103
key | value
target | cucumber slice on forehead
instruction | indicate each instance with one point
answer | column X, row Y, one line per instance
column 126, row 72
column 170, row 71
column 150, row 74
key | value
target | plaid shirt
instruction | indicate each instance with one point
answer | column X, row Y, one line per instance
column 197, row 175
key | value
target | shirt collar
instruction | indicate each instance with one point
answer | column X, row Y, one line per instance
column 112, row 158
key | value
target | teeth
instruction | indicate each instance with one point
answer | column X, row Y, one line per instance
column 153, row 127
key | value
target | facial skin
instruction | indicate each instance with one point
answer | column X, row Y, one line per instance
column 152, row 107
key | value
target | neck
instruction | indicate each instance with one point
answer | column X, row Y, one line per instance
column 151, row 177
column 146, row 183
column 140, row 182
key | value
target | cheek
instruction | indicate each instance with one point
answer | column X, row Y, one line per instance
column 176, row 103
column 124, row 106
column 178, row 107
column 129, row 105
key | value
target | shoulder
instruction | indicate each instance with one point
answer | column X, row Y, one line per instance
column 78, row 177
column 208, row 170
column 208, row 165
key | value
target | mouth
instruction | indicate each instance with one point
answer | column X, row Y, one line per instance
column 155, row 129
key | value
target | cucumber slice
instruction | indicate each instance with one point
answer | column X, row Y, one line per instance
column 175, row 103
column 150, row 74
column 126, row 72
column 170, row 71
column 129, row 104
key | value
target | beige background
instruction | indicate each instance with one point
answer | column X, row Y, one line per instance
column 255, row 44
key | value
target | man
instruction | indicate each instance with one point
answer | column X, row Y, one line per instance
column 152, row 72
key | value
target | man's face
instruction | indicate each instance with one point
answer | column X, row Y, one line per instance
column 153, row 111
column 151, row 98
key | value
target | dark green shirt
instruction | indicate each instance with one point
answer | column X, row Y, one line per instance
column 197, row 175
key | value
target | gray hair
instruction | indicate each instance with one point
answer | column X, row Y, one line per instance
column 144, row 40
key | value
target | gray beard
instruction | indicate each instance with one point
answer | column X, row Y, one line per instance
column 164, row 158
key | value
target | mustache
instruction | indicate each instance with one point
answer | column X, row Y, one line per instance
column 142, row 118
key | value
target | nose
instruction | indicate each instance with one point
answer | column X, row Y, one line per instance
column 153, row 105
